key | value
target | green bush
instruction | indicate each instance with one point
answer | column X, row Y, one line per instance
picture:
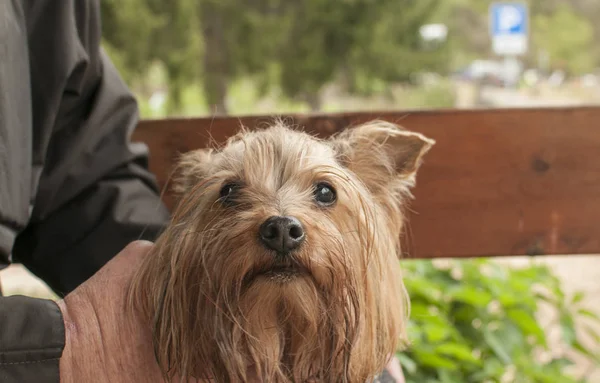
column 475, row 321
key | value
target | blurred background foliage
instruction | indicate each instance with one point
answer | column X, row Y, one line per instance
column 482, row 321
column 199, row 57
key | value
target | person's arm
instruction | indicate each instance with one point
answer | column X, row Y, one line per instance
column 95, row 194
column 31, row 340
column 31, row 331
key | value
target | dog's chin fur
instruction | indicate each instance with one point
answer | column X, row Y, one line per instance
column 225, row 308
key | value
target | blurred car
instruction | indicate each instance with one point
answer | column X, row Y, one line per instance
column 490, row 72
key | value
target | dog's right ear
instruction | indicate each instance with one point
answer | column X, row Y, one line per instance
column 192, row 168
column 382, row 154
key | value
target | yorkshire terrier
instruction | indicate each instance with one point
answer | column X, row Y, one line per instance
column 281, row 263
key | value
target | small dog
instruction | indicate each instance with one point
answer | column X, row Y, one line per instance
column 281, row 263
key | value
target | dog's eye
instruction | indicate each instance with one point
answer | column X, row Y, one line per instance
column 324, row 194
column 227, row 191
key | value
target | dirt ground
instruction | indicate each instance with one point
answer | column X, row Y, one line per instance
column 578, row 273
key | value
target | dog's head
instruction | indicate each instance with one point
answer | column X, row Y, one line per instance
column 281, row 261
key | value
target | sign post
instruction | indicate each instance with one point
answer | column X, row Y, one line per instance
column 509, row 29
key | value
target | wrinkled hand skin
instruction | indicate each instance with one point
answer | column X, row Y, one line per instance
column 104, row 341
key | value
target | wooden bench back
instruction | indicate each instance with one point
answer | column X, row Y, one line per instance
column 497, row 183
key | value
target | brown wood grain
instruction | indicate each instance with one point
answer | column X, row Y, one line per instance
column 498, row 182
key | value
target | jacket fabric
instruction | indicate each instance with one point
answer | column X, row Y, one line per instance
column 74, row 190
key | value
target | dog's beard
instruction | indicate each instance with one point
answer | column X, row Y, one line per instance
column 277, row 318
column 230, row 311
column 225, row 309
column 285, row 319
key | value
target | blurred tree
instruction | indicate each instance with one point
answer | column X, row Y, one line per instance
column 138, row 33
column 390, row 48
column 568, row 38
column 468, row 26
column 240, row 40
column 301, row 46
column 178, row 46
column 319, row 39
column 590, row 9
column 365, row 41
column 126, row 26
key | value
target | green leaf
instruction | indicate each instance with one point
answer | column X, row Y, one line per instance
column 457, row 351
column 528, row 324
column 578, row 297
column 547, row 298
column 561, row 363
column 497, row 346
column 588, row 314
column 585, row 351
column 419, row 310
column 507, row 299
column 592, row 333
column 567, row 327
column 520, row 286
column 424, row 289
column 431, row 359
column 407, row 363
column 436, row 333
column 492, row 369
column 471, row 295
column 446, row 376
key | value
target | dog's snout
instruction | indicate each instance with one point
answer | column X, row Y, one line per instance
column 282, row 234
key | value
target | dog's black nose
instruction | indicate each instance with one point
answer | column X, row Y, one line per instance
column 282, row 234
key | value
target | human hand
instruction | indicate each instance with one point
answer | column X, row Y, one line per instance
column 105, row 340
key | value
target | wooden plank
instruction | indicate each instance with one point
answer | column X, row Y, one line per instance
column 498, row 182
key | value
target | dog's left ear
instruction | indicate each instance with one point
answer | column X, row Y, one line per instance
column 381, row 153
column 192, row 168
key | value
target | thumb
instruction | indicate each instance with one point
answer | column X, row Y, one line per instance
column 127, row 260
column 135, row 252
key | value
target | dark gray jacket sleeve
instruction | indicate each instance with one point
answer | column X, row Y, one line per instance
column 92, row 191
column 32, row 339
column 95, row 193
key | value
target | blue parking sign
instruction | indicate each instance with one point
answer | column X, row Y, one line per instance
column 509, row 18
column 509, row 27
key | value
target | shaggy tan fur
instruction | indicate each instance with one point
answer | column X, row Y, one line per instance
column 217, row 311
